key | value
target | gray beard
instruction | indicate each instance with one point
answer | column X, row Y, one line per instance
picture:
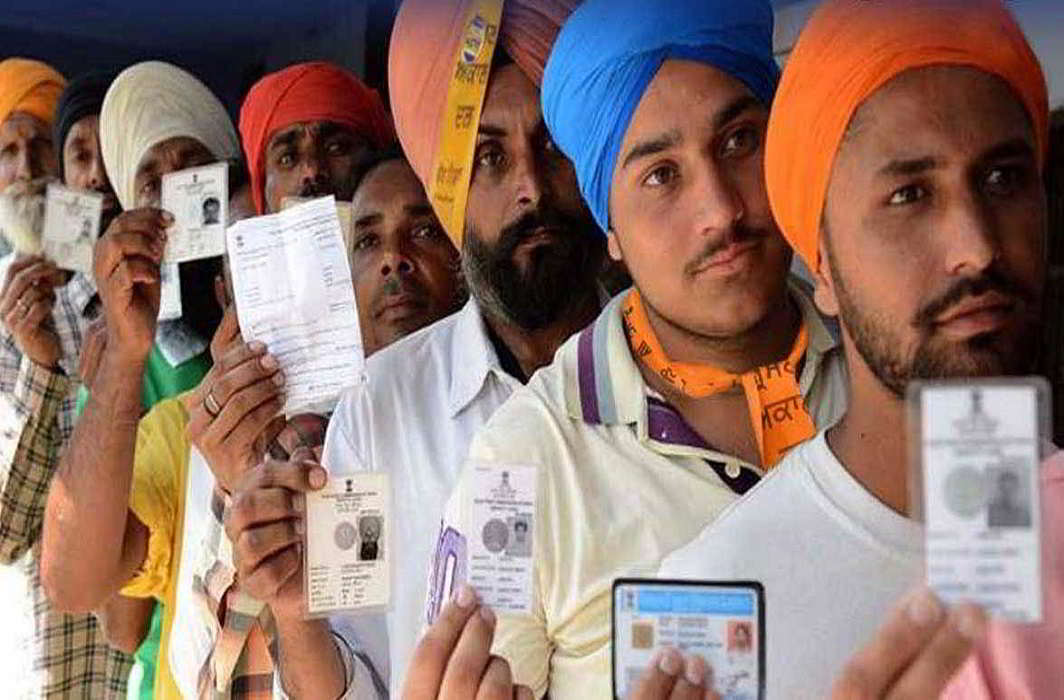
column 22, row 214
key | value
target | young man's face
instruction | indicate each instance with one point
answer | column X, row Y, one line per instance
column 530, row 246
column 405, row 268
column 688, row 208
column 935, row 230
column 26, row 150
column 312, row 159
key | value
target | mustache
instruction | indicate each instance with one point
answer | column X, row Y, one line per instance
column 317, row 188
column 396, row 285
column 526, row 226
column 738, row 234
column 994, row 280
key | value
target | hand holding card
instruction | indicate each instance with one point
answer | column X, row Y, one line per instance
column 976, row 450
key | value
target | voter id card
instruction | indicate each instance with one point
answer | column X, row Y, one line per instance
column 199, row 200
column 348, row 553
column 976, row 452
column 724, row 622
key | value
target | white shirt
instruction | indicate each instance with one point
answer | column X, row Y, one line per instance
column 833, row 559
column 424, row 398
column 623, row 481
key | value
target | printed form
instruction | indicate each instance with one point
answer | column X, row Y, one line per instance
column 293, row 291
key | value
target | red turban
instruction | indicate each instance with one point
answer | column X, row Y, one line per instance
column 302, row 93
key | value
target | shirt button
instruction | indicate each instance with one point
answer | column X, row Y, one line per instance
column 732, row 470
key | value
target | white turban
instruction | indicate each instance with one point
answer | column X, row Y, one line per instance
column 152, row 102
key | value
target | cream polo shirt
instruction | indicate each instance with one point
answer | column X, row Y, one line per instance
column 623, row 481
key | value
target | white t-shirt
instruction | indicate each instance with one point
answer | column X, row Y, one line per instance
column 833, row 559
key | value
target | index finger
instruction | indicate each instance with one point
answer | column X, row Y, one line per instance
column 435, row 647
column 296, row 475
column 19, row 264
column 943, row 656
column 144, row 217
column 226, row 334
column 911, row 625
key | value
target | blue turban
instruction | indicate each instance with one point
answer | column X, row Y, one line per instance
column 608, row 52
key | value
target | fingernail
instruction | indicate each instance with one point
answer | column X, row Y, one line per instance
column 465, row 597
column 317, row 477
column 268, row 362
column 488, row 615
column 299, row 526
column 696, row 670
column 299, row 504
column 924, row 609
column 278, row 378
column 167, row 217
column 257, row 346
column 970, row 622
column 670, row 662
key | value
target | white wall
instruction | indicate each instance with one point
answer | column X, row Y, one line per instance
column 1042, row 20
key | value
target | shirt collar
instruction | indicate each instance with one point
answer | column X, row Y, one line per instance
column 472, row 358
column 605, row 385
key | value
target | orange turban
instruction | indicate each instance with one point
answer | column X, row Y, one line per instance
column 307, row 92
column 424, row 56
column 29, row 86
column 847, row 52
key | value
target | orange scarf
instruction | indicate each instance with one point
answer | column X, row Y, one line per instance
column 777, row 409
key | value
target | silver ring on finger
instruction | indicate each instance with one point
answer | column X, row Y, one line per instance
column 210, row 404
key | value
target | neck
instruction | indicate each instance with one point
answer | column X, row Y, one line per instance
column 769, row 340
column 535, row 349
column 870, row 439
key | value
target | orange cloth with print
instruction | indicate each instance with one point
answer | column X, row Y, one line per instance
column 777, row 409
column 849, row 50
column 422, row 67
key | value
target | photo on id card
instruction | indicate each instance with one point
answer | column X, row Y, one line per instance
column 975, row 458
column 722, row 621
column 347, row 548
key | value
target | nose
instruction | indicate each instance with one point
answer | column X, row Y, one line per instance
column 529, row 185
column 313, row 168
column 98, row 176
column 396, row 261
column 720, row 205
column 24, row 168
column 971, row 242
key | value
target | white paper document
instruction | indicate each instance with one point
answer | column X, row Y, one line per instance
column 347, row 564
column 502, row 525
column 344, row 210
column 981, row 453
column 170, row 307
column 71, row 227
column 293, row 292
column 199, row 200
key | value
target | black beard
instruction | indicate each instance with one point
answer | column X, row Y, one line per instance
column 560, row 275
column 987, row 355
